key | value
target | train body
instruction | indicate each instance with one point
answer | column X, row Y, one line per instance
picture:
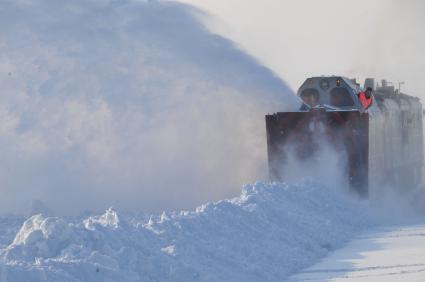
column 383, row 144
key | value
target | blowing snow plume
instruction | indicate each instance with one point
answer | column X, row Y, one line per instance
column 327, row 164
column 126, row 103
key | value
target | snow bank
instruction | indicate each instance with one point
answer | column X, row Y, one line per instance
column 9, row 226
column 267, row 233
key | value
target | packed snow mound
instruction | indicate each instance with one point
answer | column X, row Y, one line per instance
column 267, row 233
column 9, row 227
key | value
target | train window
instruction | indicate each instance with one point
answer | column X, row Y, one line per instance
column 310, row 96
column 341, row 97
column 324, row 84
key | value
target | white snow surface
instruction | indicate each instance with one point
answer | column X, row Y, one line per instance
column 269, row 232
column 390, row 253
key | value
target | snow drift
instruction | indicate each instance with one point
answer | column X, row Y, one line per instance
column 267, row 233
column 126, row 103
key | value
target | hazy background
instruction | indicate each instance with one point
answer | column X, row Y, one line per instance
column 377, row 38
column 136, row 104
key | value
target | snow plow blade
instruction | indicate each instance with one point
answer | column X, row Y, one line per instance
column 301, row 134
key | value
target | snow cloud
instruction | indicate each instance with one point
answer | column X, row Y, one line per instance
column 356, row 38
column 126, row 103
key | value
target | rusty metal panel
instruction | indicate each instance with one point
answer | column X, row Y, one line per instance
column 303, row 131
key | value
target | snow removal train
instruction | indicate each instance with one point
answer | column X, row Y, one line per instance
column 383, row 142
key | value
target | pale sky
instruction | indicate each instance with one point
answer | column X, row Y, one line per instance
column 297, row 39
